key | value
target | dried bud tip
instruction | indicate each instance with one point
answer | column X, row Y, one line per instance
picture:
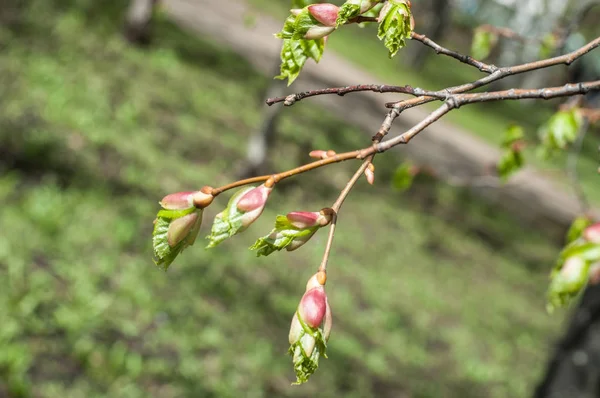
column 326, row 215
column 203, row 197
column 317, row 280
column 322, row 277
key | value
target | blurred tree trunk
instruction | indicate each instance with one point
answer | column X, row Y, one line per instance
column 574, row 371
column 138, row 21
column 262, row 139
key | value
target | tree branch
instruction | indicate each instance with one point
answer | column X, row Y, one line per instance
column 452, row 101
column 466, row 59
column 341, row 91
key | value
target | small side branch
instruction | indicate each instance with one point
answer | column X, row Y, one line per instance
column 341, row 91
column 465, row 59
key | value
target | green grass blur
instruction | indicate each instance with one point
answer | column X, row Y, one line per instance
column 434, row 293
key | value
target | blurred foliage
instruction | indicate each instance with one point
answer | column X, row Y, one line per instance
column 94, row 132
column 483, row 43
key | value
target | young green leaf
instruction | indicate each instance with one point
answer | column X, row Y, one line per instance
column 577, row 227
column 483, row 43
column 512, row 134
column 284, row 236
column 353, row 8
column 394, row 25
column 560, row 131
column 510, row 162
column 295, row 53
column 403, row 177
column 174, row 230
column 567, row 282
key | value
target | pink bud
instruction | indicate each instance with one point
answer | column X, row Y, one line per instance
column 178, row 201
column 253, row 203
column 313, row 306
column 318, row 32
column 318, row 154
column 187, row 200
column 254, row 199
column 325, row 13
column 183, row 228
column 592, row 233
column 295, row 11
column 303, row 219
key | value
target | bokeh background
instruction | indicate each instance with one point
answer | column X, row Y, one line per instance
column 436, row 291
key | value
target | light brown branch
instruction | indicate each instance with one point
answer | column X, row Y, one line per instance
column 501, row 73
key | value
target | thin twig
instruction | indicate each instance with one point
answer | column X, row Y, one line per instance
column 336, row 208
column 289, row 100
column 452, row 102
column 501, row 73
column 466, row 59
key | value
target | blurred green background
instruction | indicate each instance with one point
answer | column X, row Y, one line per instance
column 434, row 292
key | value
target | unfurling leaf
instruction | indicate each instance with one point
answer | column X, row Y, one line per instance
column 353, row 8
column 510, row 162
column 244, row 207
column 291, row 231
column 577, row 227
column 483, row 43
column 295, row 53
column 560, row 131
column 403, row 177
column 512, row 134
column 394, row 25
column 577, row 263
column 177, row 224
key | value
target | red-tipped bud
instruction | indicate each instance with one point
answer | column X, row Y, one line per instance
column 308, row 341
column 303, row 219
column 318, row 154
column 253, row 203
column 325, row 13
column 313, row 307
column 178, row 201
column 187, row 200
column 592, row 233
